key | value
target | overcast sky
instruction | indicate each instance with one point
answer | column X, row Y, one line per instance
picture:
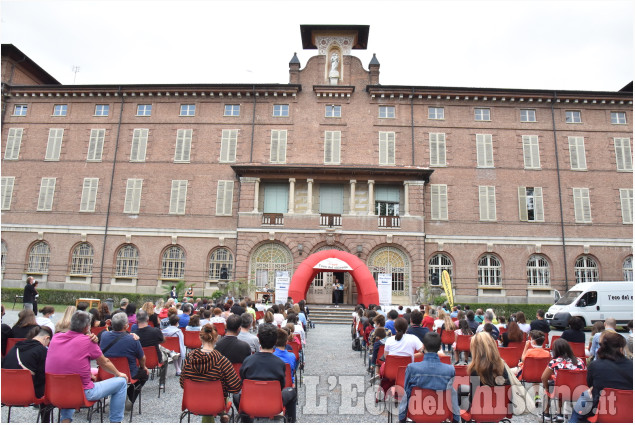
column 566, row 45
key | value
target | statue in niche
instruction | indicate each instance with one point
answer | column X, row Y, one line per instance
column 335, row 65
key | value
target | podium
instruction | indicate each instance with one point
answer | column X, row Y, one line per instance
column 272, row 296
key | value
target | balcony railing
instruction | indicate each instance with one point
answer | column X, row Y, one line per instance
column 273, row 219
column 330, row 220
column 388, row 221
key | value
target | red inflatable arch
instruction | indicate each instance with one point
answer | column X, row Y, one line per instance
column 334, row 260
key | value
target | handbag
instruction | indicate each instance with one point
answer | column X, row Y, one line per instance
column 518, row 395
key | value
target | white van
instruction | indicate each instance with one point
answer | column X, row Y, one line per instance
column 593, row 302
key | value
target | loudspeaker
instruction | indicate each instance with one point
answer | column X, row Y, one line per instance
column 224, row 275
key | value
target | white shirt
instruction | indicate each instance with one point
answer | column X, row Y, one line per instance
column 278, row 318
column 217, row 319
column 45, row 321
column 407, row 346
column 437, row 324
column 525, row 327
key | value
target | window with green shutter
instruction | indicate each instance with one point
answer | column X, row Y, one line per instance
column 276, row 198
column 331, row 199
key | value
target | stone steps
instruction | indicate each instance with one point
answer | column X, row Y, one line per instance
column 331, row 315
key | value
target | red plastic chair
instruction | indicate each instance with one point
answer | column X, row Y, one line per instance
column 533, row 367
column 489, row 404
column 392, row 366
column 427, row 406
column 445, row 359
column 463, row 344
column 261, row 399
column 191, row 340
column 288, row 377
column 18, row 391
column 578, row 349
column 97, row 329
column 172, row 343
column 237, row 367
column 260, row 315
column 460, row 376
column 511, row 355
column 122, row 365
column 296, row 351
column 418, row 357
column 67, row 392
column 554, row 339
column 204, row 398
column 152, row 362
column 615, row 406
column 396, row 392
column 220, row 328
column 448, row 338
column 516, row 344
column 568, row 386
column 11, row 343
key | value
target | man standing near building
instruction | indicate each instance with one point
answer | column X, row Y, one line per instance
column 28, row 296
column 429, row 374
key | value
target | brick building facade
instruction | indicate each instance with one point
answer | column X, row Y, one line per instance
column 129, row 187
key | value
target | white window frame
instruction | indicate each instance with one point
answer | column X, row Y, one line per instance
column 219, row 258
column 89, row 194
column 530, row 200
column 482, row 114
column 438, row 202
column 14, row 141
column 132, row 202
column 490, row 271
column 586, row 269
column 60, row 110
column 127, row 262
column 387, row 111
column 436, row 113
column 527, row 115
column 623, row 155
column 224, row 197
column 626, row 202
column 139, row 145
column 102, row 110
column 232, row 110
column 333, row 111
column 144, row 110
column 20, row 110
column 96, row 145
column 187, row 110
column 281, row 110
column 7, row 192
column 573, row 117
column 484, row 151
column 627, row 268
column 582, row 205
column 54, row 144
column 487, row 203
column 577, row 153
column 437, row 149
column 387, row 148
column 39, row 258
column 173, row 263
column 531, row 152
column 618, row 118
column 82, row 260
column 228, row 146
column 178, row 197
column 538, row 271
column 183, row 145
column 278, row 151
column 332, row 147
column 47, row 194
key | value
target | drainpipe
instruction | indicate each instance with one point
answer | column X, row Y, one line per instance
column 253, row 127
column 112, row 179
column 555, row 144
column 412, row 124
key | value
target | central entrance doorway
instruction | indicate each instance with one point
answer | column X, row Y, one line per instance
column 321, row 289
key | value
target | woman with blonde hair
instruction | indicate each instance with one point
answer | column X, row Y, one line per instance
column 153, row 318
column 65, row 322
column 487, row 366
column 159, row 306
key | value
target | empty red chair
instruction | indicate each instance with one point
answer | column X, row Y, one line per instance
column 300, row 367
column 18, row 391
column 152, row 362
column 463, row 344
column 511, row 355
column 220, row 328
column 392, row 366
column 553, row 339
column 67, row 392
column 489, row 404
column 429, row 406
column 615, row 406
column 204, row 398
column 516, row 344
column 261, row 399
column 191, row 340
column 448, row 338
column 533, row 367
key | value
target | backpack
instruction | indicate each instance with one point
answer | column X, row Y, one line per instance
column 357, row 345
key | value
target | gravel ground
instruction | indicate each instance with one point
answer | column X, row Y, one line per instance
column 335, row 387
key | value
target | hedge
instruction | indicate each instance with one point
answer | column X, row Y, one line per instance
column 507, row 309
column 67, row 297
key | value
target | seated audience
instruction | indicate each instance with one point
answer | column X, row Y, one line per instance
column 502, row 323
column 153, row 317
column 195, row 323
column 245, row 333
column 429, row 374
column 611, row 369
column 428, row 318
column 152, row 337
column 471, row 322
column 217, row 316
column 513, row 334
column 207, row 364
column 478, row 316
column 205, row 317
column 184, row 318
column 119, row 343
column 609, row 326
column 540, row 324
column 462, row 329
column 520, row 318
column 575, row 332
column 104, row 313
column 533, row 348
column 230, row 346
column 64, row 323
column 131, row 313
column 390, row 321
column 48, row 313
column 71, row 353
column 174, row 330
column 281, row 350
column 95, row 320
column 487, row 367
column 415, row 328
column 488, row 317
column 6, row 333
column 26, row 322
column 32, row 356
column 265, row 366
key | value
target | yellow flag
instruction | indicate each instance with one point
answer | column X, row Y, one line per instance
column 447, row 287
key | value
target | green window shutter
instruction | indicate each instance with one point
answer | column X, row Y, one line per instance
column 276, row 199
column 331, row 199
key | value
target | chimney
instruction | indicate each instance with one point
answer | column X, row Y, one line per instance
column 294, row 70
column 373, row 67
